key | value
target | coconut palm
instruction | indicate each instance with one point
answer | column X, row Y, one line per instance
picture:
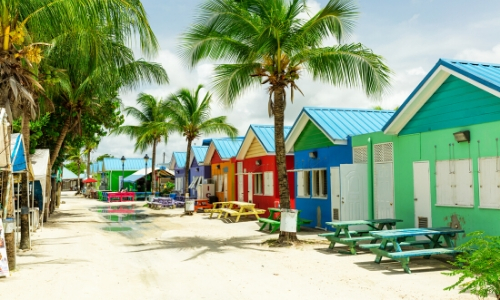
column 270, row 42
column 152, row 128
column 190, row 116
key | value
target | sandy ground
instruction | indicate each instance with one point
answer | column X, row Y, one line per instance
column 171, row 256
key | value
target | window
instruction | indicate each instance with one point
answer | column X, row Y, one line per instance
column 454, row 185
column 489, row 182
column 268, row 184
column 179, row 184
column 303, row 184
column 257, row 184
column 319, row 183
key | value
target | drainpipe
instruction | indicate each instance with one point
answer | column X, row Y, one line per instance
column 370, row 177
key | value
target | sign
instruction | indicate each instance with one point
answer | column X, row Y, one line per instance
column 4, row 264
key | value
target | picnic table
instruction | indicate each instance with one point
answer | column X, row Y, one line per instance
column 235, row 209
column 120, row 196
column 344, row 235
column 202, row 204
column 393, row 240
column 273, row 221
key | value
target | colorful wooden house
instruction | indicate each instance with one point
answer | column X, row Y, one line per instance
column 321, row 142
column 114, row 168
column 199, row 171
column 178, row 164
column 256, row 171
column 441, row 150
column 221, row 155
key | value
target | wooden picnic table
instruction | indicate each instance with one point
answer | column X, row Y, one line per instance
column 229, row 209
column 273, row 221
column 393, row 240
column 202, row 204
column 344, row 235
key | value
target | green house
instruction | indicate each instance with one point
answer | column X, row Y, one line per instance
column 437, row 161
column 113, row 169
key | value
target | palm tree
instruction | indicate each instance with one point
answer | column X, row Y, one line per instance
column 270, row 42
column 190, row 116
column 153, row 126
column 75, row 155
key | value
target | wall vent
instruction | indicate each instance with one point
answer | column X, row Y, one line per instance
column 360, row 155
column 382, row 153
column 336, row 216
column 423, row 222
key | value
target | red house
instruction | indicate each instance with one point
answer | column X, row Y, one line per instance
column 256, row 172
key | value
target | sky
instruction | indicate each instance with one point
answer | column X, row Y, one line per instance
column 411, row 35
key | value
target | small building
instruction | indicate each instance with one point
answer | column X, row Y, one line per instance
column 327, row 184
column 69, row 180
column 199, row 172
column 178, row 164
column 40, row 161
column 221, row 156
column 441, row 150
column 256, row 169
column 137, row 179
column 113, row 169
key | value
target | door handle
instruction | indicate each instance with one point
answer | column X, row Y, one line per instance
column 391, row 204
column 415, row 199
column 342, row 201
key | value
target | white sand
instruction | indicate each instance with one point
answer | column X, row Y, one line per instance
column 172, row 256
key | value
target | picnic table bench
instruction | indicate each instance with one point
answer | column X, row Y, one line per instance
column 120, row 196
column 216, row 208
column 350, row 238
column 240, row 209
column 202, row 204
column 393, row 240
column 274, row 223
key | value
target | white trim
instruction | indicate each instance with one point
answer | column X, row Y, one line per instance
column 298, row 170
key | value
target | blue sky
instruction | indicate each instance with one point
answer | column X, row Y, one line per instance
column 411, row 35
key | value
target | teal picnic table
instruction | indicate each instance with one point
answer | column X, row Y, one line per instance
column 273, row 221
column 345, row 235
column 393, row 240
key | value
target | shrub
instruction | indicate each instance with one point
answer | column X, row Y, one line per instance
column 478, row 266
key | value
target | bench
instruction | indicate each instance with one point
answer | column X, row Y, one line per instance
column 349, row 241
column 228, row 211
column 273, row 224
column 351, row 232
column 402, row 244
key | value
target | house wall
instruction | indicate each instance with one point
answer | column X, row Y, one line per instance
column 195, row 171
column 114, row 179
column 319, row 210
column 179, row 173
column 268, row 165
column 220, row 167
column 434, row 146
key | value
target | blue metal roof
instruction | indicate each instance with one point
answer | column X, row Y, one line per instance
column 131, row 164
column 199, row 153
column 228, row 147
column 340, row 123
column 68, row 174
column 265, row 135
column 487, row 74
column 180, row 159
column 17, row 157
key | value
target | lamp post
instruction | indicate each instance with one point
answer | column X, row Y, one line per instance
column 123, row 172
column 146, row 158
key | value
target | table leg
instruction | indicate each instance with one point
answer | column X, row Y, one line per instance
column 405, row 263
column 382, row 246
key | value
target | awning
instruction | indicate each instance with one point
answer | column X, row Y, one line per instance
column 143, row 172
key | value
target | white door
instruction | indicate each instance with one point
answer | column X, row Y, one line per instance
column 250, row 188
column 422, row 194
column 335, row 192
column 383, row 190
column 354, row 192
column 225, row 187
column 239, row 170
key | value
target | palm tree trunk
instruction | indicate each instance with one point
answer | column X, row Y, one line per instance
column 279, row 138
column 153, row 163
column 88, row 162
column 186, row 167
column 78, row 192
column 60, row 140
column 24, row 201
column 10, row 238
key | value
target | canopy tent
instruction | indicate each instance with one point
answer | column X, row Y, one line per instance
column 40, row 162
column 143, row 172
column 18, row 157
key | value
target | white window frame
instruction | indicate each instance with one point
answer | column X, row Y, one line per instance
column 258, row 183
column 449, row 190
column 268, row 183
column 319, row 186
column 304, row 184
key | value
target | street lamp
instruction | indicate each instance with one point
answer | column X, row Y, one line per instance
column 146, row 159
column 123, row 172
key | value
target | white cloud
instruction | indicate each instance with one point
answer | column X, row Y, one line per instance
column 416, row 71
column 474, row 54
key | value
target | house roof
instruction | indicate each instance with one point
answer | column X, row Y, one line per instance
column 178, row 160
column 338, row 123
column 264, row 134
column 68, row 174
column 485, row 76
column 131, row 164
column 142, row 172
column 199, row 152
column 225, row 147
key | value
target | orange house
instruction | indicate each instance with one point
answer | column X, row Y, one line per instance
column 221, row 155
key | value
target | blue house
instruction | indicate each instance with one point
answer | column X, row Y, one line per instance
column 325, row 162
column 178, row 164
column 198, row 170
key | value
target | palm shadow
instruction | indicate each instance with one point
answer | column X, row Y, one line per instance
column 204, row 244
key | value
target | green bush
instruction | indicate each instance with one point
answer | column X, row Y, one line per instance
column 168, row 188
column 478, row 266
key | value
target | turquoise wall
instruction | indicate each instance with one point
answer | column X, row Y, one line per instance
column 432, row 146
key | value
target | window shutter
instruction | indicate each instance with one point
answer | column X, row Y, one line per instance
column 268, row 183
column 300, row 184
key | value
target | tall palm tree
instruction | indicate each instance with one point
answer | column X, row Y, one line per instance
column 153, row 126
column 75, row 155
column 270, row 42
column 190, row 116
